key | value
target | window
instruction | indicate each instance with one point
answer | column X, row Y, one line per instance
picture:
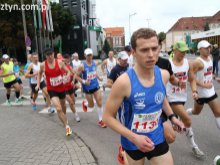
column 74, row 3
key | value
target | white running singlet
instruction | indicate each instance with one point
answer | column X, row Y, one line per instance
column 175, row 93
column 205, row 76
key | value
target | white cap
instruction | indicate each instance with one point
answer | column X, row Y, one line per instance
column 75, row 54
column 203, row 44
column 123, row 55
column 5, row 56
column 88, row 51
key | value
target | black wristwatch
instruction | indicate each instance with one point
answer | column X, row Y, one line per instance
column 171, row 116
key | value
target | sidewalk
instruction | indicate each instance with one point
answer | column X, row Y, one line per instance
column 29, row 138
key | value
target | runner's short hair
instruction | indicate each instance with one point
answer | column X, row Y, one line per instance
column 48, row 52
column 66, row 55
column 145, row 33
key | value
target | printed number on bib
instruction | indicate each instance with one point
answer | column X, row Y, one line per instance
column 91, row 75
column 145, row 123
column 55, row 81
column 66, row 79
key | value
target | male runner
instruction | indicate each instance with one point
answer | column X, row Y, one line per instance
column 52, row 68
column 140, row 124
column 177, row 96
column 32, row 73
column 90, row 85
column 9, row 80
column 203, row 67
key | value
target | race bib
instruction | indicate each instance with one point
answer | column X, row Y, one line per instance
column 145, row 123
column 66, row 79
column 91, row 75
column 56, row 81
column 208, row 78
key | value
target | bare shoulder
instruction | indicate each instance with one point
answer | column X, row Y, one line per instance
column 122, row 85
column 197, row 64
column 165, row 75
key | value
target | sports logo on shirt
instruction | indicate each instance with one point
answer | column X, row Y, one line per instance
column 159, row 97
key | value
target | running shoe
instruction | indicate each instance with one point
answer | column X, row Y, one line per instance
column 18, row 102
column 77, row 118
column 102, row 124
column 68, row 131
column 197, row 152
column 120, row 157
column 189, row 111
column 8, row 103
column 84, row 107
column 51, row 110
column 34, row 107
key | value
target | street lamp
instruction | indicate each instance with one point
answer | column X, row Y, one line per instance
column 130, row 15
column 148, row 20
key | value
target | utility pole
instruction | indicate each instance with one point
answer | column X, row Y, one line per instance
column 130, row 15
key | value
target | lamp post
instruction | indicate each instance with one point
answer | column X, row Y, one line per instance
column 148, row 20
column 130, row 15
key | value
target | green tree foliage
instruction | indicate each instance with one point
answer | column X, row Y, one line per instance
column 162, row 36
column 106, row 47
column 11, row 26
column 63, row 20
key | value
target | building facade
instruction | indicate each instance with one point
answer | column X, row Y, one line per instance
column 86, row 32
column 187, row 27
column 116, row 37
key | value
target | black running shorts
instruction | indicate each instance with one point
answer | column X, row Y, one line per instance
column 159, row 150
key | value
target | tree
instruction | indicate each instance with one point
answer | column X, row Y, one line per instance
column 106, row 47
column 162, row 36
column 11, row 29
column 206, row 27
column 63, row 20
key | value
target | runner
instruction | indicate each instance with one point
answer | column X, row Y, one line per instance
column 76, row 62
column 52, row 68
column 141, row 128
column 8, row 76
column 90, row 85
column 32, row 73
column 69, row 86
column 203, row 66
column 177, row 96
column 119, row 69
column 16, row 70
column 107, row 66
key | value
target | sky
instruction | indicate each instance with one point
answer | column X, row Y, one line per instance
column 159, row 15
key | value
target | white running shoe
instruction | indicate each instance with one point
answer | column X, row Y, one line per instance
column 77, row 117
column 189, row 111
column 197, row 152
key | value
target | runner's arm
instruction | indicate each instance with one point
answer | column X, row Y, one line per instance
column 192, row 80
column 40, row 74
column 109, row 83
column 113, row 103
column 27, row 73
column 79, row 72
column 165, row 76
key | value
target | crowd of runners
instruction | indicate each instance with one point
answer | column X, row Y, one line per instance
column 146, row 91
